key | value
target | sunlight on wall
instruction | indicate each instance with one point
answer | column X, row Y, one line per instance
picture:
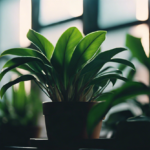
column 28, row 87
column 142, row 31
column 25, row 21
column 57, row 10
column 75, row 8
column 142, row 10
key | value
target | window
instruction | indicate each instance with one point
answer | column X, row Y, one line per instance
column 52, row 11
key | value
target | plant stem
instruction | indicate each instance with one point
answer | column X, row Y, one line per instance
column 102, row 89
column 41, row 88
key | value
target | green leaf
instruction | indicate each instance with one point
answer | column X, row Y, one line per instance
column 113, row 81
column 25, row 52
column 9, row 84
column 3, row 58
column 41, row 42
column 97, row 88
column 20, row 98
column 85, row 50
column 93, row 67
column 98, row 80
column 123, row 61
column 111, row 53
column 64, row 50
column 128, row 90
column 40, row 76
column 131, row 74
column 96, row 114
column 27, row 68
column 17, row 72
column 136, row 48
column 122, row 66
column 106, row 68
column 114, row 71
column 104, row 96
column 15, row 62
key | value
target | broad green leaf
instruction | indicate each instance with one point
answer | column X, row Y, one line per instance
column 41, row 42
column 97, row 88
column 98, row 80
column 17, row 72
column 25, row 52
column 85, row 50
column 20, row 98
column 91, row 69
column 64, row 50
column 111, row 53
column 122, row 66
column 96, row 114
column 3, row 58
column 104, row 57
column 9, row 84
column 104, row 96
column 123, row 61
column 136, row 48
column 40, row 76
column 115, row 71
column 15, row 62
column 113, row 81
column 39, row 85
column 131, row 74
column 27, row 68
column 106, row 68
column 95, row 55
column 128, row 90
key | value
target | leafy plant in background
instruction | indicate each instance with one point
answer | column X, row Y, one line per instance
column 127, row 90
column 21, row 109
column 72, row 71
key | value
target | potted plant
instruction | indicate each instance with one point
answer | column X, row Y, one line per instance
column 72, row 75
column 133, row 132
column 19, row 116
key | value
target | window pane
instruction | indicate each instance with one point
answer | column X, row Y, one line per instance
column 54, row 32
column 57, row 10
column 9, row 24
column 116, row 12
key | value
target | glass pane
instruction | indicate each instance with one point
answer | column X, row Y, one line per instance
column 53, row 33
column 57, row 10
column 116, row 12
column 9, row 24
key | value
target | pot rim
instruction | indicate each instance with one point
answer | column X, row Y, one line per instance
column 46, row 102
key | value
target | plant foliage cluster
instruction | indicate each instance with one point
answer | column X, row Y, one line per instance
column 21, row 109
column 72, row 71
column 127, row 91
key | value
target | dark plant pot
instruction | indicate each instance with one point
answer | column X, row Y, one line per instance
column 66, row 121
column 17, row 135
column 134, row 132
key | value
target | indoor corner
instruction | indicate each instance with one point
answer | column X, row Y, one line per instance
column 74, row 74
